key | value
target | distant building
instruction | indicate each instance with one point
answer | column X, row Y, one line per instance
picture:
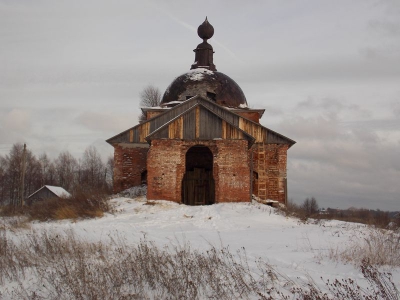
column 203, row 145
column 47, row 192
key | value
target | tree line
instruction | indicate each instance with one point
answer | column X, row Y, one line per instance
column 88, row 172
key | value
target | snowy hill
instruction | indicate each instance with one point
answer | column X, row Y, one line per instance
column 296, row 249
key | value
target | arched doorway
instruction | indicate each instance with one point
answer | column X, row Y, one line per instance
column 198, row 186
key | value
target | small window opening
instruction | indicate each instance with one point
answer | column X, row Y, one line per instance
column 212, row 96
column 143, row 177
column 188, row 97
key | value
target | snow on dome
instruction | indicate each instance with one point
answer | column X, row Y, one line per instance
column 198, row 74
column 212, row 85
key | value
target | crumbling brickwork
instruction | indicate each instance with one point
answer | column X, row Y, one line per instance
column 165, row 164
column 233, row 170
column 129, row 165
column 269, row 176
column 166, row 168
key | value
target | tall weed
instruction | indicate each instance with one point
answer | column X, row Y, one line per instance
column 47, row 265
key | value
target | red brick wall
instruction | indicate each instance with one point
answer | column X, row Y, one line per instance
column 166, row 161
column 129, row 163
column 166, row 168
column 233, row 171
column 275, row 167
column 282, row 169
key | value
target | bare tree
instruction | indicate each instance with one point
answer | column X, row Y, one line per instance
column 110, row 171
column 13, row 173
column 10, row 175
column 93, row 169
column 310, row 207
column 66, row 167
column 150, row 96
column 33, row 174
column 48, row 171
column 3, row 179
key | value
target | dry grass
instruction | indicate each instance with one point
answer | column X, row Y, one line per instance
column 378, row 218
column 82, row 204
column 46, row 265
column 381, row 247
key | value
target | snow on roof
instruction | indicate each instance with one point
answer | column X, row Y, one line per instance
column 171, row 103
column 59, row 191
column 56, row 190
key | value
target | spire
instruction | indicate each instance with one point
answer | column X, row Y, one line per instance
column 204, row 51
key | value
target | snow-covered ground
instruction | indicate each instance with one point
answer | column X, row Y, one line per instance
column 296, row 249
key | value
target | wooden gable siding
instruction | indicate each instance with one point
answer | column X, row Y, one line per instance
column 254, row 129
column 220, row 111
column 230, row 132
column 144, row 130
column 199, row 123
column 122, row 137
column 210, row 125
column 276, row 138
column 175, row 129
column 189, row 132
column 170, row 114
column 138, row 133
column 193, row 126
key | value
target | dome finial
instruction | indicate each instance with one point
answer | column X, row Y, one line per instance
column 204, row 51
column 205, row 30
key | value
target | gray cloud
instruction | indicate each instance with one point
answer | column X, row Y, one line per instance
column 327, row 74
column 107, row 123
column 17, row 120
column 340, row 162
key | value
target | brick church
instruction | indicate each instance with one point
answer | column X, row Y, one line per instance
column 203, row 144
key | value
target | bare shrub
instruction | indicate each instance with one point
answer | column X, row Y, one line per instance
column 82, row 204
column 376, row 218
column 50, row 265
column 380, row 247
column 381, row 287
column 309, row 208
column 73, row 269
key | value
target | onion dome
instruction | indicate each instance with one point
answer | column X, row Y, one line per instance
column 205, row 30
column 203, row 78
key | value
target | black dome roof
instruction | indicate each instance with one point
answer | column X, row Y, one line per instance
column 215, row 86
column 203, row 78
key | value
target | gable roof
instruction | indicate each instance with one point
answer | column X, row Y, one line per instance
column 56, row 190
column 160, row 125
column 194, row 124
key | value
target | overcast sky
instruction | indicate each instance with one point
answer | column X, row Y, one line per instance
column 327, row 73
